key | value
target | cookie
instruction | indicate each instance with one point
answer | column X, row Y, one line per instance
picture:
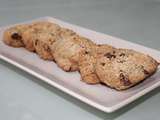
column 44, row 41
column 87, row 62
column 38, row 28
column 13, row 36
column 67, row 50
column 42, row 45
column 62, row 32
column 124, row 68
column 86, row 65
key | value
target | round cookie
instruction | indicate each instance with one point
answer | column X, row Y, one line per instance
column 67, row 50
column 60, row 35
column 38, row 28
column 124, row 68
column 46, row 41
column 13, row 36
column 43, row 44
column 87, row 62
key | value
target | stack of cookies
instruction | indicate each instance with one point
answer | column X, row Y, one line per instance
column 117, row 68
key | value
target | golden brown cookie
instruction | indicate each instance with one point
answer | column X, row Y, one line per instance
column 67, row 50
column 87, row 62
column 42, row 45
column 61, row 33
column 124, row 68
column 44, row 41
column 38, row 28
column 13, row 36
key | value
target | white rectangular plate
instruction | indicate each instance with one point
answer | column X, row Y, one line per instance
column 98, row 96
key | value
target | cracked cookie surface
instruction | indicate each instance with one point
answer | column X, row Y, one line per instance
column 88, row 61
column 68, row 49
column 124, row 68
column 38, row 28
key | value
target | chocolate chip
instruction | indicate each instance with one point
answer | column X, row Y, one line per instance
column 121, row 61
column 103, row 64
column 74, row 38
column 86, row 52
column 145, row 72
column 122, row 54
column 16, row 36
column 36, row 41
column 124, row 79
column 109, row 55
column 99, row 45
column 69, row 69
column 114, row 52
column 47, row 48
column 51, row 41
